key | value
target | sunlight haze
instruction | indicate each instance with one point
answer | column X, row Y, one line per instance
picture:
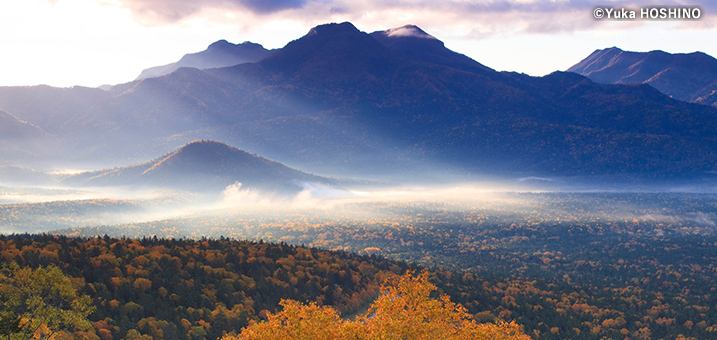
column 94, row 42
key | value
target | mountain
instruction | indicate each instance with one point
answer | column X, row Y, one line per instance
column 343, row 102
column 15, row 175
column 412, row 43
column 20, row 140
column 50, row 108
column 12, row 128
column 689, row 77
column 203, row 166
column 218, row 54
column 484, row 121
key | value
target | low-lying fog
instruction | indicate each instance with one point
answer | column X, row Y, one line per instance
column 43, row 209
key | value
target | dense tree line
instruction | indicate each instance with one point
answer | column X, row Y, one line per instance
column 578, row 266
column 577, row 286
column 158, row 288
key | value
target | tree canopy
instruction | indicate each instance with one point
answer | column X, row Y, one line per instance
column 404, row 310
column 39, row 303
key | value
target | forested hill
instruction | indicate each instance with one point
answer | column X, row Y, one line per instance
column 612, row 287
column 203, row 166
column 186, row 289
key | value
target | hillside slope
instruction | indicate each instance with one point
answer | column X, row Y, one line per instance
column 203, row 166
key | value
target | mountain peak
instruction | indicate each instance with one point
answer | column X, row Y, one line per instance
column 205, row 144
column 333, row 51
column 225, row 45
column 220, row 43
column 333, row 28
column 413, row 43
column 614, row 48
column 204, row 154
column 408, row 31
column 219, row 54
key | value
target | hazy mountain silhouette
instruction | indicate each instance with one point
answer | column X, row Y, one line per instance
column 20, row 139
column 12, row 128
column 218, row 54
column 341, row 101
column 50, row 108
column 690, row 77
column 15, row 175
column 203, row 166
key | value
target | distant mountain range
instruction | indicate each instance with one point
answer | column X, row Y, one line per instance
column 15, row 175
column 13, row 128
column 690, row 77
column 20, row 139
column 203, row 166
column 218, row 54
column 343, row 102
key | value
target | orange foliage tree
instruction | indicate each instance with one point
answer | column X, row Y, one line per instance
column 404, row 310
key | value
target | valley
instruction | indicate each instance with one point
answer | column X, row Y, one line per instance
column 189, row 202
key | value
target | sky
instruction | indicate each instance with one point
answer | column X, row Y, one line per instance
column 90, row 43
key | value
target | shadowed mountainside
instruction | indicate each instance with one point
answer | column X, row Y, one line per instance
column 341, row 101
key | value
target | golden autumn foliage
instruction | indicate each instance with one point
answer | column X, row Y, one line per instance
column 40, row 303
column 404, row 310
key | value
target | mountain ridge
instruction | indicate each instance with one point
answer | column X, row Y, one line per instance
column 20, row 139
column 340, row 101
column 218, row 54
column 13, row 127
column 411, row 42
column 685, row 76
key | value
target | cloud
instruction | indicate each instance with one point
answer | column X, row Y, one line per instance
column 703, row 219
column 263, row 6
column 313, row 196
column 474, row 18
column 160, row 12
column 235, row 196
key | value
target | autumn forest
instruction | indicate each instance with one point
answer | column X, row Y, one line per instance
column 557, row 265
